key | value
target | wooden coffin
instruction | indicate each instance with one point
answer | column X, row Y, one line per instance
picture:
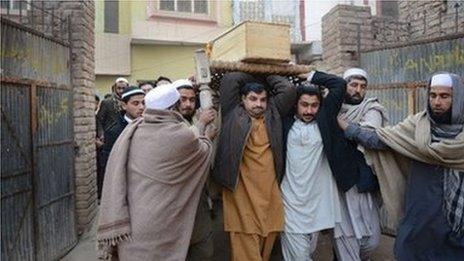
column 253, row 42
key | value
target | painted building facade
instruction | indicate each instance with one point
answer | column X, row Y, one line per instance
column 142, row 40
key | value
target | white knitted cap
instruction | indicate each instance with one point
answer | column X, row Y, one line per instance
column 355, row 71
column 162, row 97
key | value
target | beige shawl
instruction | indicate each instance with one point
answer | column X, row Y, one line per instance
column 410, row 139
column 152, row 185
column 356, row 113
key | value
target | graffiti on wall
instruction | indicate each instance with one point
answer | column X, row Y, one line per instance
column 414, row 62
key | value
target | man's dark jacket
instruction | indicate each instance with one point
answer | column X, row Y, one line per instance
column 336, row 147
column 236, row 124
column 111, row 135
column 109, row 112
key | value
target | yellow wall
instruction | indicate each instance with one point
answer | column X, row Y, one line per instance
column 151, row 61
column 125, row 8
column 99, row 16
column 138, row 10
column 103, row 84
column 225, row 7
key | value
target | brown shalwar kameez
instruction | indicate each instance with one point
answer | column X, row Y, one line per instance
column 253, row 213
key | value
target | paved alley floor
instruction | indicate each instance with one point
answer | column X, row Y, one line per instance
column 85, row 249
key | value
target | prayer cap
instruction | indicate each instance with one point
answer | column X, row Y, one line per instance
column 442, row 80
column 162, row 97
column 122, row 79
column 355, row 71
column 131, row 91
column 182, row 83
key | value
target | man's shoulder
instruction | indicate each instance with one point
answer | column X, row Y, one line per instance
column 118, row 123
column 373, row 103
column 109, row 100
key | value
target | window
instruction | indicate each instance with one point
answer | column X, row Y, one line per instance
column 13, row 6
column 111, row 16
column 185, row 6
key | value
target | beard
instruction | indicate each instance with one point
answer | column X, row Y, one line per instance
column 440, row 118
column 307, row 118
column 187, row 113
column 257, row 111
column 353, row 99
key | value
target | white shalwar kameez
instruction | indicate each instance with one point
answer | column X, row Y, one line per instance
column 309, row 192
column 359, row 232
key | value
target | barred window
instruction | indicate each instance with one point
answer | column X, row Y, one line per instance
column 185, row 6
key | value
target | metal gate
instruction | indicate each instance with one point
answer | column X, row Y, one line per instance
column 37, row 152
column 398, row 74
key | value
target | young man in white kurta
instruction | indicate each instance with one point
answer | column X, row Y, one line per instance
column 309, row 191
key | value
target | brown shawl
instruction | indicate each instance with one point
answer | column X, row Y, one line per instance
column 153, row 182
column 410, row 139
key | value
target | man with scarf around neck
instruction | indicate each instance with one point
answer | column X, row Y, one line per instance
column 360, row 229
column 249, row 160
column 154, row 178
column 201, row 244
column 431, row 186
column 318, row 160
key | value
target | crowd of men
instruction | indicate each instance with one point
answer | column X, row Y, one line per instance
column 291, row 161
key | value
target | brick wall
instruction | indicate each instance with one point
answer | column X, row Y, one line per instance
column 429, row 19
column 82, row 15
column 340, row 36
column 388, row 30
column 418, row 20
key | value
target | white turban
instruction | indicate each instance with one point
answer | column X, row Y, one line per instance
column 162, row 97
column 355, row 71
